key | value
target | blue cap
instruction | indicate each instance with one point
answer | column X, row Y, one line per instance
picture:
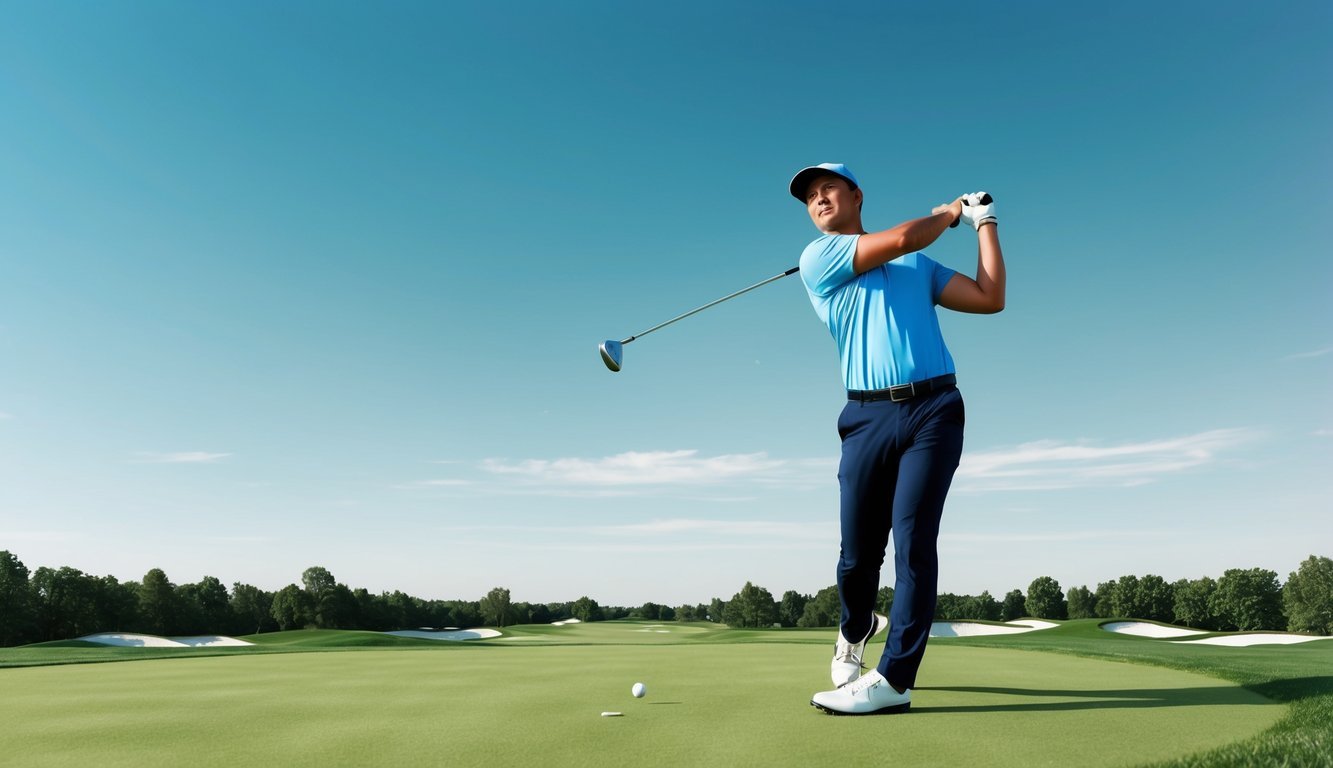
column 801, row 180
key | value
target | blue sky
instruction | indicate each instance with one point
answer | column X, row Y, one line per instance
column 303, row 284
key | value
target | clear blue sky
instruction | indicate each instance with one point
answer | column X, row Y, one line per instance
column 319, row 283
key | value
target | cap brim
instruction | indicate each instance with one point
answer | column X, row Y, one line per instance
column 801, row 181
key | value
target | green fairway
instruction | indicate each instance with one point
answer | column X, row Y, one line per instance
column 715, row 696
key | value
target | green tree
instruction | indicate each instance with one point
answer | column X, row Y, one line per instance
column 1308, row 597
column 64, row 602
column 1013, row 606
column 791, row 607
column 1103, row 599
column 1045, row 599
column 822, row 610
column 950, row 607
column 326, row 604
column 753, row 606
column 715, row 610
column 1080, row 603
column 983, row 607
column 1157, row 599
column 1248, row 600
column 686, row 613
column 495, row 607
column 252, row 607
column 586, row 609
column 158, row 608
column 17, row 622
column 884, row 600
column 117, row 604
column 291, row 607
column 1127, row 599
column 1193, row 603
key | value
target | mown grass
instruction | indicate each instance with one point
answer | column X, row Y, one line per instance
column 1300, row 676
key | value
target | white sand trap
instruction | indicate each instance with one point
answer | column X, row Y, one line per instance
column 977, row 629
column 566, row 621
column 1144, row 629
column 1254, row 638
column 131, row 640
column 211, row 641
column 458, row 634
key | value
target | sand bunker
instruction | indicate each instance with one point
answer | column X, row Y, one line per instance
column 458, row 634
column 131, row 640
column 1238, row 640
column 1145, row 629
column 978, row 629
column 1253, row 638
column 566, row 621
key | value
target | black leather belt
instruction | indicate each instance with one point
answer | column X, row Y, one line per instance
column 904, row 391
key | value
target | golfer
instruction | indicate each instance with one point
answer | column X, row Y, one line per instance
column 902, row 427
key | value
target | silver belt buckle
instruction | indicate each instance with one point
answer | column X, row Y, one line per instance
column 907, row 392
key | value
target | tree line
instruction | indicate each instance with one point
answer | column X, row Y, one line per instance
column 62, row 603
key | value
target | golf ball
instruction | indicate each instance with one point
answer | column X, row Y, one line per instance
column 638, row 690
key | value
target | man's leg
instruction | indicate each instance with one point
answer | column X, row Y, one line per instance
column 925, row 471
column 866, row 485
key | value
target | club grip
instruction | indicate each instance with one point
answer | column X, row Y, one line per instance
column 986, row 199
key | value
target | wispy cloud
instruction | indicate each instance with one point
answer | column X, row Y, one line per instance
column 681, row 473
column 1053, row 536
column 443, row 483
column 4, row 415
column 181, row 457
column 1051, row 464
column 638, row 468
column 1307, row 355
column 661, row 535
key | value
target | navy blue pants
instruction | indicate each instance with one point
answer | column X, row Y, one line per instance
column 898, row 460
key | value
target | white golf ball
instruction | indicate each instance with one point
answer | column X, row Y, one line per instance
column 638, row 690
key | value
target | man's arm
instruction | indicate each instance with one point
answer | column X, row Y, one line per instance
column 878, row 248
column 985, row 294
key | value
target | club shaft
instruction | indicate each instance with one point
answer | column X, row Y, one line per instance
column 696, row 310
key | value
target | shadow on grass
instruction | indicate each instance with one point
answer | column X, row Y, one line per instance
column 1142, row 698
column 1293, row 689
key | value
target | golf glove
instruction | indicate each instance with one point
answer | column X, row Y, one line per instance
column 978, row 209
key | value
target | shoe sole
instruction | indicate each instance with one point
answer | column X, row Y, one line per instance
column 898, row 709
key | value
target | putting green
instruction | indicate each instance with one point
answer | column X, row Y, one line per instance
column 723, row 704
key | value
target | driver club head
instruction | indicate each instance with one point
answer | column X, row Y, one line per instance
column 611, row 354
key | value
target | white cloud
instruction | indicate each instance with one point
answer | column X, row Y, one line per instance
column 1308, row 355
column 4, row 415
column 181, row 457
column 1051, row 464
column 444, row 483
column 1052, row 536
column 662, row 535
column 645, row 468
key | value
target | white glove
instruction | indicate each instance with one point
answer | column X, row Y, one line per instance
column 978, row 209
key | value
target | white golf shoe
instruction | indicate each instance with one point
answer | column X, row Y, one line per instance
column 870, row 694
column 848, row 657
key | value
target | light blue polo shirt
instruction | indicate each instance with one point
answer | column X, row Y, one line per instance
column 883, row 320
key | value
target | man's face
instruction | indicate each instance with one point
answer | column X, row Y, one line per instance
column 832, row 203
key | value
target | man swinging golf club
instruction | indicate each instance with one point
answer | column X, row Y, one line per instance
column 902, row 427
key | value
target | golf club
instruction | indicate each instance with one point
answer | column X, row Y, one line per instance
column 613, row 352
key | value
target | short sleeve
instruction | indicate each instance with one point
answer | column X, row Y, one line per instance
column 827, row 263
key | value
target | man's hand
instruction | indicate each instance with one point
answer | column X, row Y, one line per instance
column 978, row 209
column 956, row 208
